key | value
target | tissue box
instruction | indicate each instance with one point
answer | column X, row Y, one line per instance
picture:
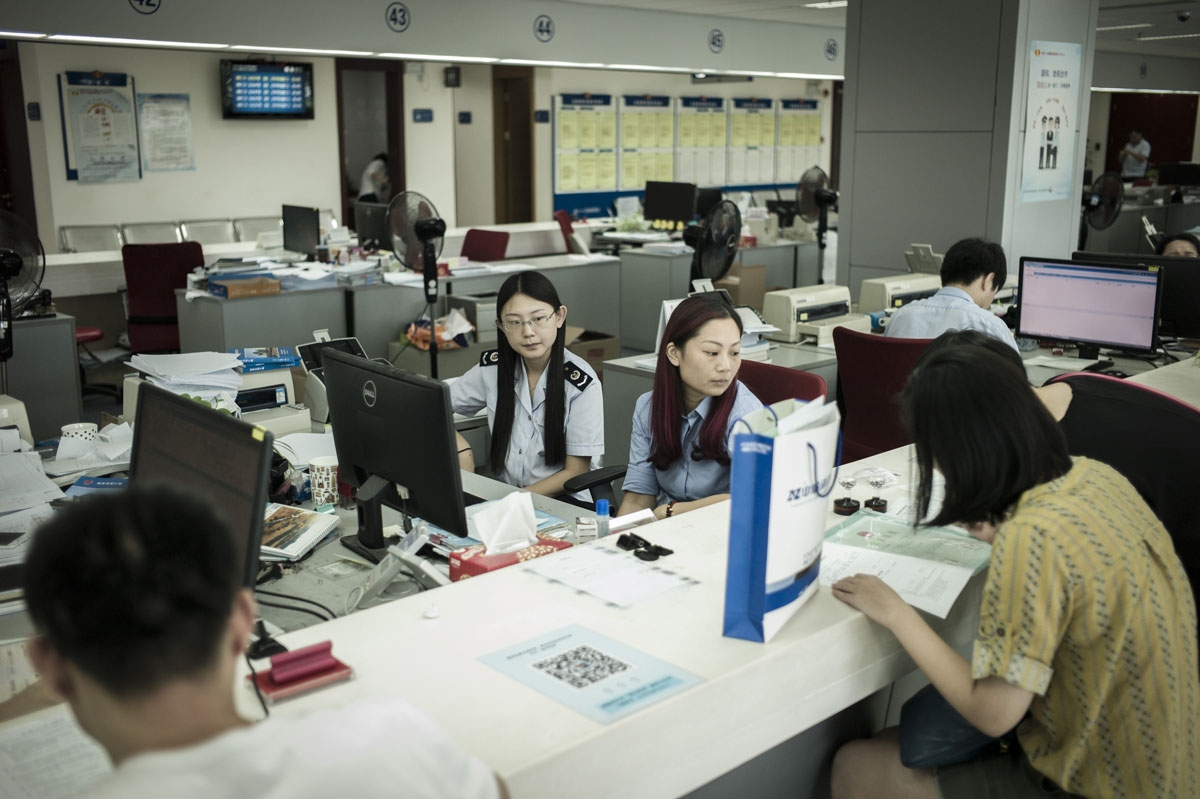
column 472, row 562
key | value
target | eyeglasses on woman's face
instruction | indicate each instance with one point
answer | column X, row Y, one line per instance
column 539, row 322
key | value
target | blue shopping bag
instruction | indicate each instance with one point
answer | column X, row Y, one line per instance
column 784, row 469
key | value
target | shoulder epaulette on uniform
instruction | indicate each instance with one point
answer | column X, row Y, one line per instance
column 576, row 376
column 489, row 358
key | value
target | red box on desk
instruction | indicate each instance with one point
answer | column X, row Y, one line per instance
column 472, row 561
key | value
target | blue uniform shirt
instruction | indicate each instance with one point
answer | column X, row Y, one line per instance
column 526, row 462
column 950, row 309
column 685, row 479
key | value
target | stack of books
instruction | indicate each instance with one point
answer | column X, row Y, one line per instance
column 260, row 359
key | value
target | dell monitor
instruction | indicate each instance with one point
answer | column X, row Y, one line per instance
column 371, row 225
column 706, row 200
column 301, row 230
column 394, row 435
column 1090, row 304
column 211, row 454
column 1179, row 307
column 669, row 205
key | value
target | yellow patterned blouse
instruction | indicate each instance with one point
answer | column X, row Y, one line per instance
column 1087, row 605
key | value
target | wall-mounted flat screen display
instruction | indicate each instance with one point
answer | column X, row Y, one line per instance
column 258, row 90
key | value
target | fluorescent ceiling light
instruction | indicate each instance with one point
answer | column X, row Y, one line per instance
column 1126, row 27
column 827, row 4
column 529, row 63
column 809, row 76
column 304, row 50
column 21, row 35
column 749, row 72
column 1172, row 36
column 1141, row 91
column 466, row 59
column 62, row 37
column 646, row 68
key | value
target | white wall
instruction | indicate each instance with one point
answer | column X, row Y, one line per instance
column 429, row 146
column 364, row 116
column 474, row 156
column 243, row 167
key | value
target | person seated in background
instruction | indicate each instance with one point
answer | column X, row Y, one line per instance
column 973, row 270
column 141, row 620
column 545, row 410
column 1181, row 245
column 375, row 185
column 1086, row 642
column 678, row 459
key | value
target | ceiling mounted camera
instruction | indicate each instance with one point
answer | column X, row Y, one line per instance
column 1183, row 16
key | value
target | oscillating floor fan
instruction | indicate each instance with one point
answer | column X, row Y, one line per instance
column 714, row 241
column 1101, row 205
column 417, row 233
column 22, row 265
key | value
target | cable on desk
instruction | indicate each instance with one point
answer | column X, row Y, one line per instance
column 278, row 595
column 309, row 611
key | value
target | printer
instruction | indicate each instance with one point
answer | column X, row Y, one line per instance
column 811, row 311
column 311, row 355
column 882, row 293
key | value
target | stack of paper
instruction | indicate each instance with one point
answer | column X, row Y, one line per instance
column 197, row 373
column 754, row 347
column 108, row 453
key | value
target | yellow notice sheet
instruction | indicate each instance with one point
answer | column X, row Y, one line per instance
column 785, row 130
column 568, row 172
column 701, row 137
column 813, row 130
column 664, row 166
column 718, row 129
column 737, row 134
column 687, row 130
column 587, row 171
column 629, row 130
column 753, row 129
column 606, row 129
column 648, row 129
column 666, row 129
column 568, row 128
column 606, row 170
column 587, row 130
column 767, row 139
column 629, row 170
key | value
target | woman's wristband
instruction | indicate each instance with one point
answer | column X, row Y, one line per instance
column 670, row 508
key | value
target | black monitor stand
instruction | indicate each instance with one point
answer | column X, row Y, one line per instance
column 370, row 541
column 1090, row 352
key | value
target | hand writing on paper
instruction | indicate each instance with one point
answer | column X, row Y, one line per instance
column 872, row 596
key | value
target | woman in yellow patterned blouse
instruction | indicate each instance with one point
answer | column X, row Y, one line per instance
column 1087, row 630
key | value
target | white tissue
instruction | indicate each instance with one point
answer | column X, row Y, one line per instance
column 506, row 524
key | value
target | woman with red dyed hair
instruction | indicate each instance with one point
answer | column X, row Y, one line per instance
column 678, row 460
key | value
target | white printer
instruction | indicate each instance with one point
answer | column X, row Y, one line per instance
column 314, row 379
column 811, row 311
column 882, row 293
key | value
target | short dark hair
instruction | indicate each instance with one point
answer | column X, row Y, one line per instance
column 134, row 587
column 971, row 412
column 1135, row 130
column 970, row 259
column 380, row 157
column 975, row 338
column 1188, row 237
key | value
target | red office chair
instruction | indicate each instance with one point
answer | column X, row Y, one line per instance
column 772, row 383
column 152, row 273
column 564, row 224
column 485, row 245
column 1149, row 437
column 872, row 371
column 85, row 335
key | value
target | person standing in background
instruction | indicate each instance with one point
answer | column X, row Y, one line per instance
column 375, row 185
column 1135, row 156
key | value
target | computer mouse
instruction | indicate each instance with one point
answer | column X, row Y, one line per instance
column 1115, row 373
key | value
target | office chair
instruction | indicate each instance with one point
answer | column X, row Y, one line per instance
column 209, row 231
column 772, row 383
column 1149, row 437
column 151, row 233
column 485, row 245
column 248, row 228
column 598, row 483
column 89, row 238
column 152, row 273
column 872, row 371
column 84, row 335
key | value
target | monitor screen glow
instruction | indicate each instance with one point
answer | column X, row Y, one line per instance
column 256, row 89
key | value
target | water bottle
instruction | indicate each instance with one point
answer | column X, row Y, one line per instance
column 601, row 518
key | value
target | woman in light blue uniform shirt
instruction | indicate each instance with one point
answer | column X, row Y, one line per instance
column 678, row 459
column 548, row 424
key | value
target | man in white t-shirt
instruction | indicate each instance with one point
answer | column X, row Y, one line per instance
column 1135, row 156
column 141, row 623
column 375, row 186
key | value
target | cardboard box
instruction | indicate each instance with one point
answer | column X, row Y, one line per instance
column 472, row 562
column 594, row 347
column 232, row 288
column 746, row 284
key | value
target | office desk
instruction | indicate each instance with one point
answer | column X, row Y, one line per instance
column 1181, row 380
column 209, row 323
column 784, row 699
column 625, row 381
column 44, row 373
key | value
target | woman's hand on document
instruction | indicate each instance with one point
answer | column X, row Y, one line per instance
column 873, row 597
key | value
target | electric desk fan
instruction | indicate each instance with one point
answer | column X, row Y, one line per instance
column 714, row 241
column 1101, row 205
column 417, row 233
column 813, row 198
column 22, row 265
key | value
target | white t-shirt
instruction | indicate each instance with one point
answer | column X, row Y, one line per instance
column 374, row 180
column 1130, row 166
column 372, row 748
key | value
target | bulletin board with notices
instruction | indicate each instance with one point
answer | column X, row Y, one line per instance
column 703, row 128
column 752, row 141
column 585, row 143
column 647, row 140
column 799, row 138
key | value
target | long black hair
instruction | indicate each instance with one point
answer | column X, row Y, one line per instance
column 536, row 286
column 972, row 413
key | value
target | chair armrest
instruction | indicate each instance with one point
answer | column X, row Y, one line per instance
column 588, row 480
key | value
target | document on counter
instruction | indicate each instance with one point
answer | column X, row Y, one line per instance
column 46, row 755
column 612, row 576
column 23, row 483
column 591, row 673
column 16, row 672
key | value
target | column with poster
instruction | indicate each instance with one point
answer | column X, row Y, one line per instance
column 702, row 140
column 166, row 124
column 752, row 142
column 799, row 138
column 647, row 140
column 585, row 148
column 1048, row 163
column 100, row 140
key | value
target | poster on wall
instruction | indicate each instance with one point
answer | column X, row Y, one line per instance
column 585, row 143
column 1048, row 163
column 99, row 131
column 166, row 125
column 799, row 138
column 702, row 139
column 647, row 140
column 752, row 141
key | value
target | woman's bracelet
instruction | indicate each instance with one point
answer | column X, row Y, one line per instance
column 670, row 508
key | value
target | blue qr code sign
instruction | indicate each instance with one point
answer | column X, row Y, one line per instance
column 582, row 666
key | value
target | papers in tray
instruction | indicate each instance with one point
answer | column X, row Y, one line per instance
column 290, row 532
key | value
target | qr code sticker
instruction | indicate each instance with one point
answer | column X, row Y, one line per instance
column 582, row 666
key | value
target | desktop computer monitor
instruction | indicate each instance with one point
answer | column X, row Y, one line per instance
column 209, row 453
column 301, row 230
column 1089, row 304
column 784, row 209
column 706, row 200
column 670, row 203
column 1179, row 307
column 394, row 434
column 371, row 225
